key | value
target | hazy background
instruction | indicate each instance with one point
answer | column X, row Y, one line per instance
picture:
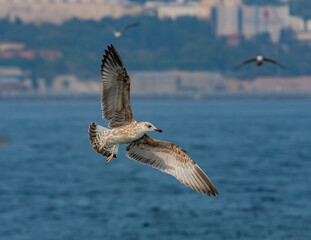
column 248, row 129
column 42, row 40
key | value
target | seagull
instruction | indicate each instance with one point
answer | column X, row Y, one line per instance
column 124, row 129
column 259, row 59
column 118, row 34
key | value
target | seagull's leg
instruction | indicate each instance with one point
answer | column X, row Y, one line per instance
column 103, row 144
column 111, row 156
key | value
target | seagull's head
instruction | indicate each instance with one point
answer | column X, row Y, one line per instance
column 148, row 127
column 259, row 58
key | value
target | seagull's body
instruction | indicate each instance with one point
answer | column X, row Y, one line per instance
column 259, row 61
column 118, row 34
column 116, row 107
column 117, row 136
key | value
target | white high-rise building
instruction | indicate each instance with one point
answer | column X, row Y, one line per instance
column 251, row 20
column 265, row 19
column 227, row 20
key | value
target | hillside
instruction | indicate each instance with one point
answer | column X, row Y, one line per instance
column 186, row 43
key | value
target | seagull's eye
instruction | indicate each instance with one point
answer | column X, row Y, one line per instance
column 149, row 126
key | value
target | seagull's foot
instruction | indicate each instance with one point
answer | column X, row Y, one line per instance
column 103, row 145
column 112, row 155
column 109, row 158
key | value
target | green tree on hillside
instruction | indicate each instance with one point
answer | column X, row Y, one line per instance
column 185, row 43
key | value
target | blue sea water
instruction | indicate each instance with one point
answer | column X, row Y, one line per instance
column 54, row 186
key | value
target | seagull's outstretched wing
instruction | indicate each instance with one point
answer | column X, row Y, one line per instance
column 110, row 28
column 245, row 62
column 128, row 27
column 171, row 159
column 116, row 104
column 274, row 62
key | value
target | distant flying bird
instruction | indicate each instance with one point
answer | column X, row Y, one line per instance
column 116, row 107
column 119, row 34
column 260, row 59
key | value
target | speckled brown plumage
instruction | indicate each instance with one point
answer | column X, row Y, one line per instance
column 173, row 160
column 161, row 155
column 116, row 104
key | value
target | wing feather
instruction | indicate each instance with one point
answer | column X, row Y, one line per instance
column 111, row 29
column 116, row 104
column 124, row 29
column 172, row 159
column 274, row 62
column 245, row 62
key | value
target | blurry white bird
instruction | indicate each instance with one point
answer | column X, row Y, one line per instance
column 259, row 59
column 118, row 34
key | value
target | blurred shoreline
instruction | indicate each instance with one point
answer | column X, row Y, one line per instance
column 171, row 84
column 177, row 96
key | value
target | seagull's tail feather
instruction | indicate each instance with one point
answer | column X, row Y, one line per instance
column 98, row 135
column 95, row 128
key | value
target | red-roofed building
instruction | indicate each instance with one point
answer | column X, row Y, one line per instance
column 234, row 39
column 29, row 54
column 50, row 54
column 6, row 54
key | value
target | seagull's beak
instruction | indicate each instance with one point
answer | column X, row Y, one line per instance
column 158, row 130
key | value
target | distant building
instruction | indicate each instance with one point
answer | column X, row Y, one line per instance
column 271, row 84
column 153, row 82
column 11, row 71
column 265, row 19
column 50, row 54
column 29, row 54
column 231, row 18
column 42, row 86
column 228, row 20
column 70, row 84
column 175, row 83
column 206, row 8
column 252, row 20
column 174, row 10
column 7, row 46
column 58, row 11
column 10, row 79
column 10, row 50
column 6, row 54
column 302, row 29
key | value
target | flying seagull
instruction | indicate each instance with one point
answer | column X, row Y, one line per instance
column 119, row 34
column 259, row 60
column 116, row 107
